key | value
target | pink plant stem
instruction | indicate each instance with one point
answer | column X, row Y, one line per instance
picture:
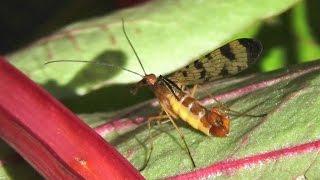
column 50, row 137
column 229, row 166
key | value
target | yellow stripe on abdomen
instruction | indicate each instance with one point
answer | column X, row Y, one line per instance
column 186, row 115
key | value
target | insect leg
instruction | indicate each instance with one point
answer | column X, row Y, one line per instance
column 229, row 111
column 183, row 139
column 239, row 114
column 193, row 91
column 150, row 138
column 151, row 146
column 158, row 118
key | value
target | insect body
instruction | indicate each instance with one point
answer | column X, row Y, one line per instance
column 178, row 104
column 227, row 60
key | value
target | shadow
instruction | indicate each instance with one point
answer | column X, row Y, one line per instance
column 282, row 31
column 14, row 165
column 96, row 72
column 104, row 99
column 107, row 99
column 126, row 137
column 313, row 18
column 279, row 33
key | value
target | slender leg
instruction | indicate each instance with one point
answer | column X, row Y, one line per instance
column 228, row 110
column 151, row 146
column 157, row 118
column 183, row 139
column 237, row 113
column 183, row 88
column 150, row 138
column 194, row 89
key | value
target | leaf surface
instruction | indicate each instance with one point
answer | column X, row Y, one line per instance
column 167, row 35
column 284, row 143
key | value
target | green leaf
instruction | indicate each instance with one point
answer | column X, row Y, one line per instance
column 167, row 35
column 304, row 26
column 292, row 37
column 283, row 144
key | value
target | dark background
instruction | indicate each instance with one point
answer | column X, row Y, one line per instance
column 21, row 22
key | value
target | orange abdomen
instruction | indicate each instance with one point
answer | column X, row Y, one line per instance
column 211, row 123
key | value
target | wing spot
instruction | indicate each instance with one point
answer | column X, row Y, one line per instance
column 224, row 71
column 203, row 74
column 253, row 48
column 198, row 64
column 227, row 52
column 208, row 56
column 184, row 73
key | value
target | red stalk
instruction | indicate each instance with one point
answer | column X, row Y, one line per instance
column 50, row 137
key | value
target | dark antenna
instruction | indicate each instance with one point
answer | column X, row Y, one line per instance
column 96, row 63
column 125, row 33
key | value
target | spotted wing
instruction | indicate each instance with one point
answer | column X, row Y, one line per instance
column 227, row 60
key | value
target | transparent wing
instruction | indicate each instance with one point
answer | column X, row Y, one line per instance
column 227, row 60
